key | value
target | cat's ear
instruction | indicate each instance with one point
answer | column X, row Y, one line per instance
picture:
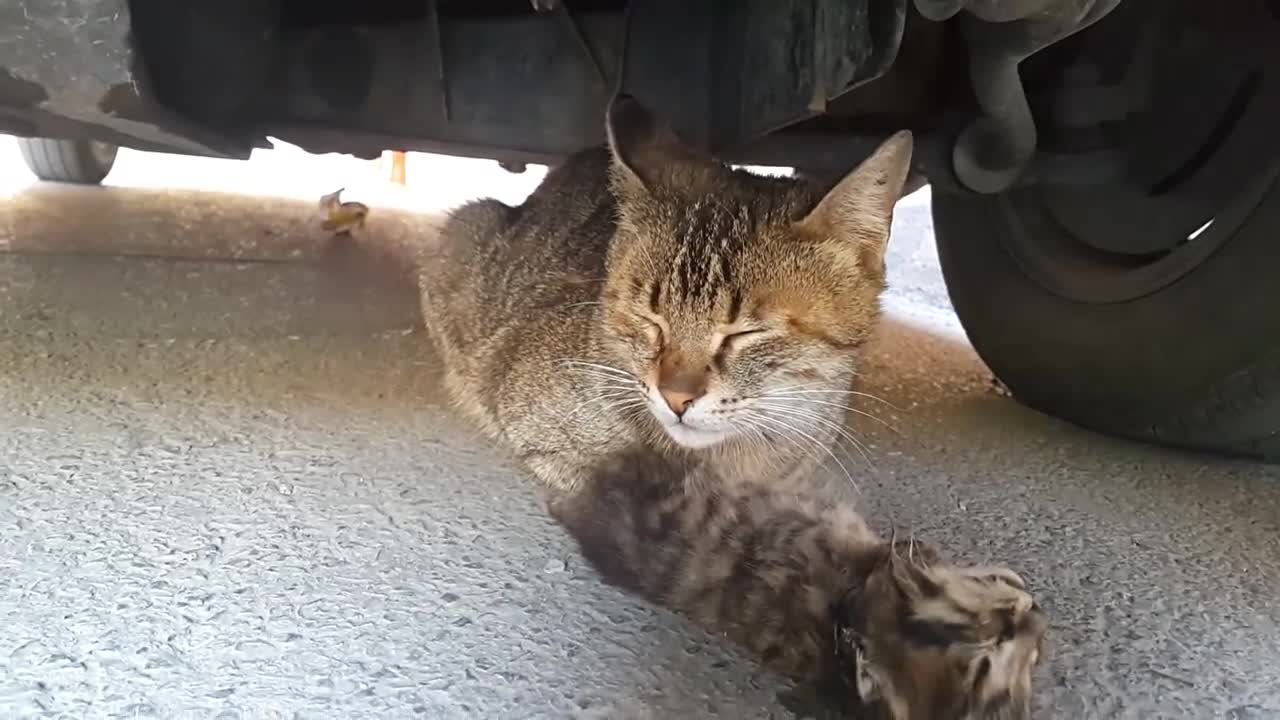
column 859, row 209
column 647, row 153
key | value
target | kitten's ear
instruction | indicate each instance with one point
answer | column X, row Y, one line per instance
column 647, row 153
column 859, row 209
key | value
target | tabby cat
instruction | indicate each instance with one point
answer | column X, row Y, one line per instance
column 874, row 629
column 668, row 344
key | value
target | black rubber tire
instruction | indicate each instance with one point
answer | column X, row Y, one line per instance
column 84, row 162
column 1195, row 364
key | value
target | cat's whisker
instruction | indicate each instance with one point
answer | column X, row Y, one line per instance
column 604, row 382
column 753, row 432
column 796, row 434
column 618, row 395
column 623, row 409
column 839, row 427
column 628, row 388
column 857, row 444
column 815, row 386
column 630, row 410
column 603, row 377
column 779, row 422
column 597, row 366
column 759, row 439
column 855, row 393
column 615, row 389
column 768, row 433
column 591, row 364
column 582, row 304
column 809, row 401
column 621, row 406
column 816, row 418
column 801, row 386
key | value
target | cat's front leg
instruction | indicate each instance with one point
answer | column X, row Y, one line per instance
column 808, row 590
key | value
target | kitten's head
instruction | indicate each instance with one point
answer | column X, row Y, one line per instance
column 739, row 301
column 931, row 640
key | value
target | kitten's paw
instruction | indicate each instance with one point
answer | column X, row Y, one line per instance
column 928, row 639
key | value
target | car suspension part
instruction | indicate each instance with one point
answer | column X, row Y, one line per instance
column 994, row 149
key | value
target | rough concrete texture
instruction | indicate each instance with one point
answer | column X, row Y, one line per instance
column 229, row 490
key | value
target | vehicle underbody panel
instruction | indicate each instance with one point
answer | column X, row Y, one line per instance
column 806, row 83
column 69, row 69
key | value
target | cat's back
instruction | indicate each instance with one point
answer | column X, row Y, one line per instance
column 514, row 290
column 566, row 222
column 502, row 273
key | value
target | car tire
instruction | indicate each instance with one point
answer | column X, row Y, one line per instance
column 85, row 162
column 1130, row 288
column 1191, row 359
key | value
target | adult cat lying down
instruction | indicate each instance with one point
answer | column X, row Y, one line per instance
column 647, row 294
column 668, row 345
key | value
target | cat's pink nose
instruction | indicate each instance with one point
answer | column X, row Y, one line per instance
column 680, row 383
column 678, row 400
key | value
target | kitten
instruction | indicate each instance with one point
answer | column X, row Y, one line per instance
column 879, row 629
column 647, row 294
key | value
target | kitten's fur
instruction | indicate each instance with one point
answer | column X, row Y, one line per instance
column 883, row 629
column 645, row 278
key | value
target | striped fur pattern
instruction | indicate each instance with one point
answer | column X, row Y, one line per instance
column 885, row 630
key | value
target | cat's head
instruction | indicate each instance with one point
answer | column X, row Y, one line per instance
column 739, row 301
column 928, row 640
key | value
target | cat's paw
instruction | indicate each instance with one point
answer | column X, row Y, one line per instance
column 928, row 639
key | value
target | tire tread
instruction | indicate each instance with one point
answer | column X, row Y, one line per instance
column 55, row 160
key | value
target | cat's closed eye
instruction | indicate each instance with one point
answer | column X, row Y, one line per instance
column 653, row 334
column 730, row 339
column 725, row 342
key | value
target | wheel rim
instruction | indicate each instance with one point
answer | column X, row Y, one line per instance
column 1074, row 266
column 1197, row 167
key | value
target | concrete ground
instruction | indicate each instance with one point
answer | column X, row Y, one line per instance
column 228, row 489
